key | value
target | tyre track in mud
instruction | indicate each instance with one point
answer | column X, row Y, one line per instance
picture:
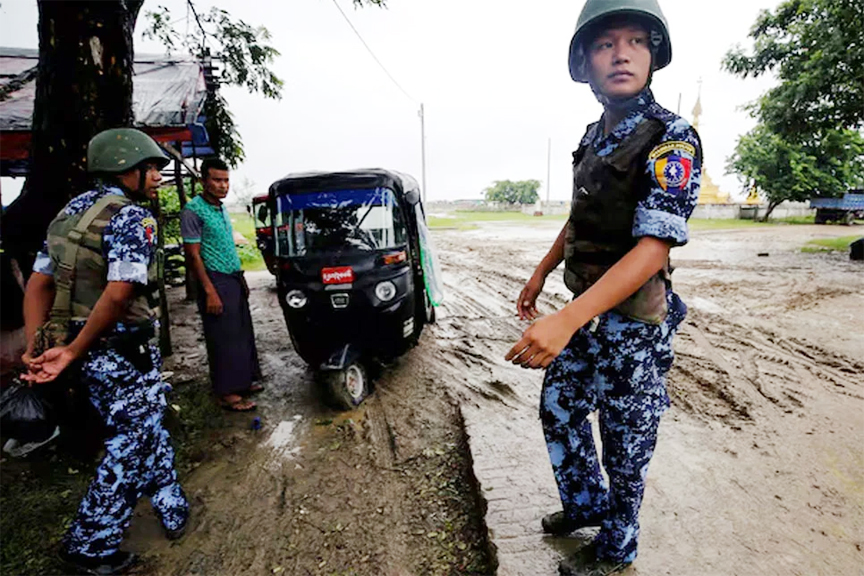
column 360, row 493
column 759, row 464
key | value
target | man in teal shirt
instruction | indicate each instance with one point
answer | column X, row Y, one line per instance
column 223, row 298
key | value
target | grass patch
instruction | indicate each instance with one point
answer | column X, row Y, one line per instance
column 841, row 244
column 467, row 219
column 796, row 220
column 39, row 500
column 40, row 493
column 250, row 256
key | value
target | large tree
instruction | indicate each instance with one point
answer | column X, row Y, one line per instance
column 83, row 86
column 507, row 192
column 807, row 141
column 816, row 50
column 786, row 170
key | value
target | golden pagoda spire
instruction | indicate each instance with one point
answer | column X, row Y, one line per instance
column 697, row 109
column 709, row 193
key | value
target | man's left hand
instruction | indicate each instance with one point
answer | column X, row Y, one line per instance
column 50, row 365
column 542, row 342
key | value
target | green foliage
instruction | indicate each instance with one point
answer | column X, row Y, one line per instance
column 816, row 50
column 521, row 192
column 245, row 54
column 785, row 170
column 250, row 257
column 808, row 141
column 169, row 202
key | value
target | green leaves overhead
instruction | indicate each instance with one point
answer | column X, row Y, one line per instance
column 808, row 140
column 816, row 49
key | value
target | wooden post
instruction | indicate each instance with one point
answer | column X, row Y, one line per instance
column 178, row 177
column 165, row 320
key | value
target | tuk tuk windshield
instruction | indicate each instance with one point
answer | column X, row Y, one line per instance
column 316, row 222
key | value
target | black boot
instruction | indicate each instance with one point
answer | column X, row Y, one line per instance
column 176, row 533
column 586, row 563
column 559, row 525
column 116, row 563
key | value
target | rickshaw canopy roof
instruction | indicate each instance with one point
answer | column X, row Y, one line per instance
column 404, row 186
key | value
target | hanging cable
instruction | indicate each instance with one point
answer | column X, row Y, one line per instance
column 345, row 16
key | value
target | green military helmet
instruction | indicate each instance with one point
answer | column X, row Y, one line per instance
column 120, row 149
column 596, row 11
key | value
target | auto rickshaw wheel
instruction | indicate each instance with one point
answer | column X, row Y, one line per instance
column 348, row 387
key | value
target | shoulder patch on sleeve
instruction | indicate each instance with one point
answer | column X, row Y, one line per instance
column 667, row 148
column 149, row 224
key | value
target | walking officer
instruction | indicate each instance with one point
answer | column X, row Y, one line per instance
column 636, row 178
column 90, row 314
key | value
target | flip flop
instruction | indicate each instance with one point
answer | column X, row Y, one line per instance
column 241, row 405
column 254, row 389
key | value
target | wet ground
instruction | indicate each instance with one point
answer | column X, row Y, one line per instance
column 759, row 468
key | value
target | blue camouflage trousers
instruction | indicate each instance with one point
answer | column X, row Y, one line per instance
column 138, row 458
column 618, row 369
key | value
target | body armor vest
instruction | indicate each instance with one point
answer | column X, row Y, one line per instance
column 606, row 191
column 81, row 273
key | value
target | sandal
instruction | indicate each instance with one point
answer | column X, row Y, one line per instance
column 239, row 404
column 254, row 389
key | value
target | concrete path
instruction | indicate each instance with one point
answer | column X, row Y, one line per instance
column 517, row 486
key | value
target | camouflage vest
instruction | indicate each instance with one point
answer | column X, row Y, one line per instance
column 81, row 273
column 606, row 191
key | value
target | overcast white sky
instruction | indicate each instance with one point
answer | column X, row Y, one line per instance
column 492, row 74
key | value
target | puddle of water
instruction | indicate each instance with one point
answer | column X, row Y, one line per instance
column 705, row 305
column 281, row 440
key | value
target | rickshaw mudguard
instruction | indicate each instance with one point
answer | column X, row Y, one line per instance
column 429, row 263
column 341, row 358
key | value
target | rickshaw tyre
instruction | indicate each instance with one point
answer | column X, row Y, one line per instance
column 336, row 383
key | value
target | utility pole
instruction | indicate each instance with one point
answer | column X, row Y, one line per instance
column 423, row 148
column 548, row 170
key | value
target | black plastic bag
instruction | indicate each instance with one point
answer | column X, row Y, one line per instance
column 25, row 415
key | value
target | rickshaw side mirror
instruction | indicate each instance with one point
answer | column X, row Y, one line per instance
column 412, row 197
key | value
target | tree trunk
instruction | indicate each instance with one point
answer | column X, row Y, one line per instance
column 83, row 86
column 771, row 205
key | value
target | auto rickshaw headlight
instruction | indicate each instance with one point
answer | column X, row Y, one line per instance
column 295, row 299
column 385, row 291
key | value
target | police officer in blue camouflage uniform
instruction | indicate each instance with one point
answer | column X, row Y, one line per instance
column 90, row 315
column 636, row 180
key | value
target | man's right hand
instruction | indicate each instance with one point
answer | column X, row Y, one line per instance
column 214, row 304
column 49, row 365
column 527, row 303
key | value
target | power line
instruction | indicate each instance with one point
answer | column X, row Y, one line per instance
column 372, row 53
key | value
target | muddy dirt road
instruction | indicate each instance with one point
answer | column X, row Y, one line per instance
column 759, row 468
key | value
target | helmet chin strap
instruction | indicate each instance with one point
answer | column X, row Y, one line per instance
column 625, row 104
column 142, row 179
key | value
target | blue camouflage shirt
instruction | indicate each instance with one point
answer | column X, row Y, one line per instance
column 128, row 241
column 673, row 170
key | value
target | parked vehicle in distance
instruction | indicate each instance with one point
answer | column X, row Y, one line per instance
column 843, row 210
column 264, row 230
